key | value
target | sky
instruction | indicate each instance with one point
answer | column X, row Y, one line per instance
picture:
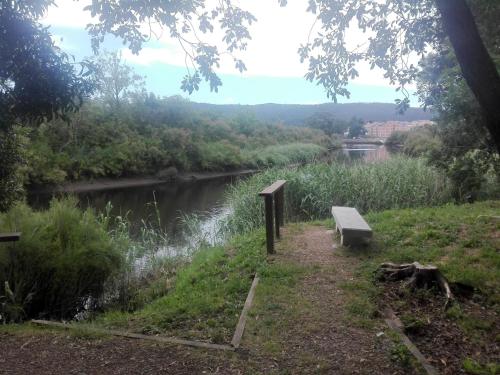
column 274, row 72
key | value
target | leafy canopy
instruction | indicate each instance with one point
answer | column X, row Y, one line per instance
column 182, row 19
column 37, row 79
column 395, row 29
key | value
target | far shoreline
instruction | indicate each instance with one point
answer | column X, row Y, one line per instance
column 130, row 182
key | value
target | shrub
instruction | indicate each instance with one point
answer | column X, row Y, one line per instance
column 60, row 265
column 397, row 138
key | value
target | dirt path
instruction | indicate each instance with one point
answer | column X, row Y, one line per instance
column 301, row 328
column 320, row 336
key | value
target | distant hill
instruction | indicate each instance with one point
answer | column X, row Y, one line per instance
column 296, row 114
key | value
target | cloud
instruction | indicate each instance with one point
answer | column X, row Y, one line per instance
column 68, row 13
column 272, row 52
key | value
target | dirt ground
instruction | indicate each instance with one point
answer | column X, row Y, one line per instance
column 320, row 338
column 440, row 338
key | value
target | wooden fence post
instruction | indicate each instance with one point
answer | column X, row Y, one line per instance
column 269, row 223
column 273, row 201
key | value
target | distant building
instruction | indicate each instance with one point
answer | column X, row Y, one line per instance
column 385, row 129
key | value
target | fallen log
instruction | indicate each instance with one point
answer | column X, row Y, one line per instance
column 418, row 275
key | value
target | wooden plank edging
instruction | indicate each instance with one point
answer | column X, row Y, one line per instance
column 167, row 340
column 240, row 327
column 397, row 326
column 235, row 342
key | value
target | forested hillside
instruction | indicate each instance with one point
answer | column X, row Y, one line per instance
column 297, row 114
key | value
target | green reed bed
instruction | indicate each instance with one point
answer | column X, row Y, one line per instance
column 281, row 155
column 311, row 190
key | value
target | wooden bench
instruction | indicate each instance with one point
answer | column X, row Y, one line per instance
column 354, row 230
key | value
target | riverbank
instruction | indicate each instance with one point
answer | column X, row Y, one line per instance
column 121, row 183
column 316, row 309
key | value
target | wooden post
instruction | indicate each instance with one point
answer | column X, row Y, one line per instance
column 281, row 198
column 277, row 213
column 269, row 223
column 273, row 200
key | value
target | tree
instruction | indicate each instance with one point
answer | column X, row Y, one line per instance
column 114, row 79
column 400, row 29
column 396, row 30
column 327, row 122
column 37, row 81
column 183, row 20
column 467, row 152
column 356, row 128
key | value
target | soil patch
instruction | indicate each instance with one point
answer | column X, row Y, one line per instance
column 60, row 354
column 442, row 335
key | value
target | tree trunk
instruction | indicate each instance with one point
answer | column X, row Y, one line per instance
column 419, row 276
column 478, row 68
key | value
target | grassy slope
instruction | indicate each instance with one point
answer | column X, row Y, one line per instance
column 209, row 293
column 207, row 297
column 463, row 241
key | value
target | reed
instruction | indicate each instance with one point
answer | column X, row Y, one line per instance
column 311, row 190
column 282, row 155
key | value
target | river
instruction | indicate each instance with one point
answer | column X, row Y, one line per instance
column 203, row 198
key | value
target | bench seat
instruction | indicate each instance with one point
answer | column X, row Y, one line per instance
column 10, row 237
column 354, row 230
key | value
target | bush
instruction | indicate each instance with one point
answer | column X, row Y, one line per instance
column 421, row 142
column 397, row 138
column 60, row 265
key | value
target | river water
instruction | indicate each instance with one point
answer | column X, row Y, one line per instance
column 203, row 198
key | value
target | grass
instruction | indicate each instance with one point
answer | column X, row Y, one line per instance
column 205, row 300
column 207, row 296
column 311, row 190
column 472, row 367
column 282, row 155
column 462, row 240
column 63, row 260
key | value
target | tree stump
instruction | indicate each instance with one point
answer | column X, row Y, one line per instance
column 418, row 275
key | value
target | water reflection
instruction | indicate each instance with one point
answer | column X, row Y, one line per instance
column 204, row 198
column 367, row 153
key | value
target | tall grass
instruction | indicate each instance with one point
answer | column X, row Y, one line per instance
column 311, row 190
column 281, row 155
column 60, row 265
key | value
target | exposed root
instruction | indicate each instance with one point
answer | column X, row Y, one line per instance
column 418, row 275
